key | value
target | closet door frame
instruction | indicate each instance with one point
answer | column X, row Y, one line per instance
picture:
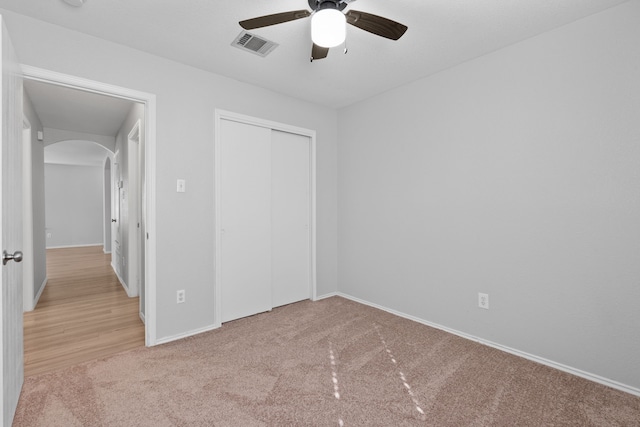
column 311, row 134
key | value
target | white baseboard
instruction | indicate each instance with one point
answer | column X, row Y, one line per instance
column 37, row 297
column 34, row 302
column 574, row 371
column 186, row 334
column 122, row 282
column 142, row 317
column 88, row 245
column 106, row 252
column 325, row 296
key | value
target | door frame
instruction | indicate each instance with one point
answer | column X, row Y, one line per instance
column 220, row 115
column 149, row 102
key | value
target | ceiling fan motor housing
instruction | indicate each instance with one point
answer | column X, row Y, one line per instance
column 317, row 5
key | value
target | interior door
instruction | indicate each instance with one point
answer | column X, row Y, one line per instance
column 116, row 251
column 11, row 230
column 245, row 219
column 290, row 220
column 133, row 215
column 142, row 224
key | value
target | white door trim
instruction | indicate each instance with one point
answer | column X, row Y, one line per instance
column 228, row 115
column 149, row 101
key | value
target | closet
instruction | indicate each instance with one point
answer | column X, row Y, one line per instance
column 264, row 216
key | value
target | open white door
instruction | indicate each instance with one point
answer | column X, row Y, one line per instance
column 116, row 251
column 12, row 372
column 133, row 227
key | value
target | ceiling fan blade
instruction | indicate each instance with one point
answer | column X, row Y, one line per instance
column 276, row 18
column 318, row 52
column 376, row 24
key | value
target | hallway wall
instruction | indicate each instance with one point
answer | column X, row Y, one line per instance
column 73, row 205
column 37, row 189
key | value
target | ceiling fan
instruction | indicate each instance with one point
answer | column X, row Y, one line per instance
column 328, row 24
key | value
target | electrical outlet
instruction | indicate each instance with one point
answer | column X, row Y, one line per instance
column 180, row 296
column 483, row 301
column 48, row 235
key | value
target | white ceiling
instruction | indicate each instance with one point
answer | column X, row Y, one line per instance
column 69, row 109
column 442, row 33
column 64, row 108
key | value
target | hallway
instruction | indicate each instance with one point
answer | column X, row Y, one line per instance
column 83, row 313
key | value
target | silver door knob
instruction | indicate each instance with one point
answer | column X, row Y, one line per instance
column 6, row 257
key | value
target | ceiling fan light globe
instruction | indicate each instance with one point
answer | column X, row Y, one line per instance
column 328, row 27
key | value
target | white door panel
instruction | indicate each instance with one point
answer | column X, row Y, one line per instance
column 290, row 190
column 115, row 219
column 245, row 220
column 12, row 372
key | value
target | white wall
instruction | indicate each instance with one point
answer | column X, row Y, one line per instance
column 74, row 205
column 51, row 136
column 186, row 100
column 515, row 174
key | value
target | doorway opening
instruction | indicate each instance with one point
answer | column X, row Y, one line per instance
column 139, row 244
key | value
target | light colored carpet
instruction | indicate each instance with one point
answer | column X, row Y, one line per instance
column 327, row 363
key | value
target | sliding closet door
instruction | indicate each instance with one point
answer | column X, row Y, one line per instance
column 290, row 196
column 245, row 219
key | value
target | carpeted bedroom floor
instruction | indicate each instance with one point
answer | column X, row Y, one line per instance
column 328, row 363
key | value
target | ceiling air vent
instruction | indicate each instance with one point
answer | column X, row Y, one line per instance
column 254, row 44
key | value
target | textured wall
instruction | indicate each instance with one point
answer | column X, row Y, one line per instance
column 516, row 175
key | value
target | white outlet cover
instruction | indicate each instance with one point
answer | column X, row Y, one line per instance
column 180, row 296
column 483, row 301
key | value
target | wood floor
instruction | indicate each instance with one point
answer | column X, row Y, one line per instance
column 83, row 313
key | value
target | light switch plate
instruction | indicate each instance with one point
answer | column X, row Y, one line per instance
column 181, row 186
